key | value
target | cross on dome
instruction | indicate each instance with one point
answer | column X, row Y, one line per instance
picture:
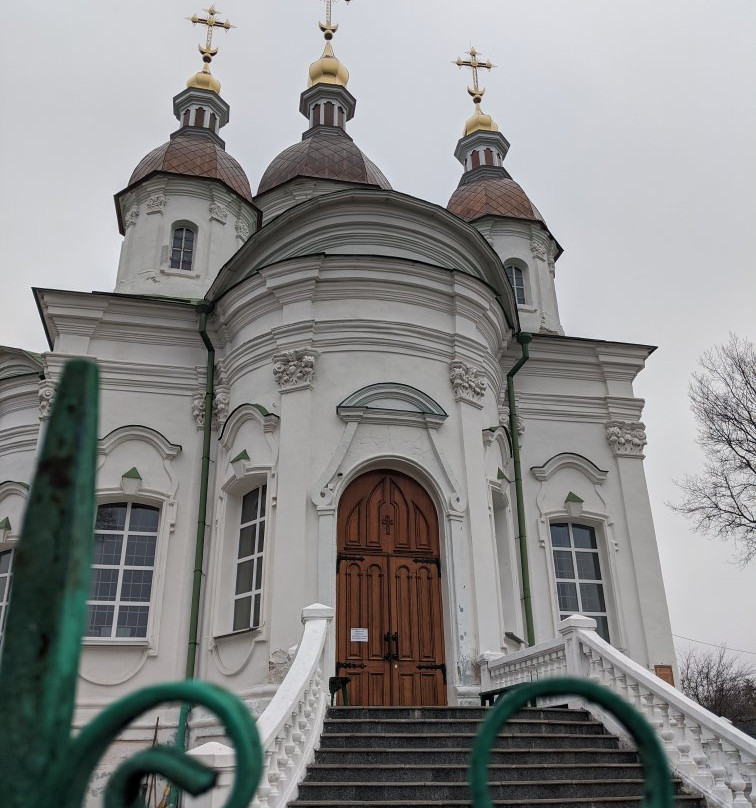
column 328, row 28
column 211, row 22
column 475, row 64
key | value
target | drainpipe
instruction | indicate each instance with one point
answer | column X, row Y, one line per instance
column 203, row 309
column 524, row 339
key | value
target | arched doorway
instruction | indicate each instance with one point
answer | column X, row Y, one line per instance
column 389, row 624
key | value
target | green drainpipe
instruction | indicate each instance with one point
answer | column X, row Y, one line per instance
column 524, row 339
column 203, row 309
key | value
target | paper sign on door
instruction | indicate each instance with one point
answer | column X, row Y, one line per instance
column 359, row 635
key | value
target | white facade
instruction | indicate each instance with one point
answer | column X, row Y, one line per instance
column 358, row 329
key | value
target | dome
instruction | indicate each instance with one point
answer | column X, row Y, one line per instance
column 195, row 155
column 480, row 122
column 204, row 80
column 492, row 196
column 328, row 70
column 325, row 154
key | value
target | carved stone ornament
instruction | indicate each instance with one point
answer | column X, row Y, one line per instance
column 469, row 383
column 221, row 402
column 156, row 204
column 46, row 397
column 218, row 212
column 504, row 420
column 242, row 229
column 198, row 408
column 627, row 438
column 538, row 249
column 131, row 217
column 294, row 368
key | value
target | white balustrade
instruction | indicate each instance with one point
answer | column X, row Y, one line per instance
column 705, row 751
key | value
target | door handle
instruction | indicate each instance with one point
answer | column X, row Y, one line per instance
column 387, row 638
column 395, row 638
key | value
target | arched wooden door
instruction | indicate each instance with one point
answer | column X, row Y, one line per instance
column 389, row 630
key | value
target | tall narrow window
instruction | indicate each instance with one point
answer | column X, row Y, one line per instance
column 6, row 572
column 122, row 570
column 580, row 588
column 517, row 279
column 182, row 249
column 249, row 563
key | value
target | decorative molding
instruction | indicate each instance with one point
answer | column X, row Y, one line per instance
column 627, row 438
column 246, row 412
column 392, row 403
column 294, row 369
column 130, row 218
column 468, row 382
column 156, row 204
column 242, row 229
column 221, row 402
column 569, row 460
column 146, row 434
column 504, row 420
column 46, row 398
column 198, row 407
column 538, row 249
column 218, row 212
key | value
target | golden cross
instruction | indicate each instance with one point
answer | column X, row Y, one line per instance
column 328, row 28
column 212, row 22
column 475, row 64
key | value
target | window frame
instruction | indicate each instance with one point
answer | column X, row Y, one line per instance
column 518, row 274
column 156, row 590
column 256, row 558
column 187, row 227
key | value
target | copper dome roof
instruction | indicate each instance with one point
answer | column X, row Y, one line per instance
column 196, row 155
column 492, row 196
column 323, row 154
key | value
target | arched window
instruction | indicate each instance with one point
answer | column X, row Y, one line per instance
column 517, row 279
column 199, row 116
column 123, row 564
column 185, row 119
column 577, row 568
column 213, row 122
column 249, row 563
column 182, row 248
column 328, row 110
column 475, row 159
column 488, row 154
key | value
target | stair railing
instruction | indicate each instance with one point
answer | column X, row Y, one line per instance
column 705, row 751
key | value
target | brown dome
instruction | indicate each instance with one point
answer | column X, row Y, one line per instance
column 325, row 154
column 492, row 196
column 196, row 155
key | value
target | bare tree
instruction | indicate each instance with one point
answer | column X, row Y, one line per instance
column 719, row 682
column 722, row 499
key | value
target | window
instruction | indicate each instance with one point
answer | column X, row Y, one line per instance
column 182, row 249
column 6, row 573
column 249, row 563
column 122, row 570
column 517, row 279
column 578, row 574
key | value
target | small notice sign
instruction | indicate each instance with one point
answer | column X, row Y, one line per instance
column 359, row 635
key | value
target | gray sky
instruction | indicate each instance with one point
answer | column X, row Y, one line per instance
column 633, row 129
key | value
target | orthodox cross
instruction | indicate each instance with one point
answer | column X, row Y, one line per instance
column 475, row 64
column 328, row 28
column 212, row 22
column 387, row 521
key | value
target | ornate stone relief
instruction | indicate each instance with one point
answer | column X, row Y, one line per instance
column 504, row 420
column 221, row 401
column 198, row 407
column 627, row 438
column 294, row 368
column 46, row 397
column 218, row 212
column 131, row 216
column 221, row 398
column 538, row 249
column 242, row 229
column 469, row 383
column 156, row 204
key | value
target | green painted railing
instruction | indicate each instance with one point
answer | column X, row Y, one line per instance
column 42, row 765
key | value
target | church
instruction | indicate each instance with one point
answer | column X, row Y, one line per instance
column 325, row 391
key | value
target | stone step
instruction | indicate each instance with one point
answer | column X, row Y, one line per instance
column 461, row 756
column 515, row 726
column 457, row 773
column 681, row 801
column 522, row 790
column 463, row 713
column 402, row 740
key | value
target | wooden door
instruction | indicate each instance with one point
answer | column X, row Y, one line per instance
column 389, row 632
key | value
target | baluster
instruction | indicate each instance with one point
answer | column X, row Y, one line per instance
column 703, row 775
column 749, row 766
column 274, row 774
column 715, row 755
column 634, row 696
column 685, row 764
column 736, row 780
column 264, row 789
column 667, row 733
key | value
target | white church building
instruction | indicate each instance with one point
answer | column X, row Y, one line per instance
column 329, row 392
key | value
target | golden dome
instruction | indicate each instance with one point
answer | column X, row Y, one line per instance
column 328, row 70
column 204, row 80
column 480, row 122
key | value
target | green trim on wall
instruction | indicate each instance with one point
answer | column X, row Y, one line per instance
column 132, row 474
column 242, row 455
column 573, row 498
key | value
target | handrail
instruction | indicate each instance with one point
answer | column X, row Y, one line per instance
column 705, row 751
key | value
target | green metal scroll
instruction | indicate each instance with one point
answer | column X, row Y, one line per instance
column 658, row 791
column 41, row 764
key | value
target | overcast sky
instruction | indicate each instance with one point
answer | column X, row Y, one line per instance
column 633, row 130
